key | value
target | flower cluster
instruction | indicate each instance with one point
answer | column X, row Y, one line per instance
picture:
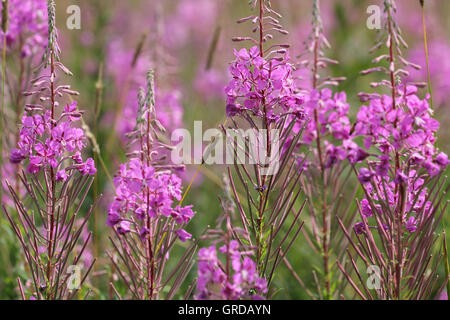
column 27, row 25
column 51, row 143
column 218, row 282
column 384, row 193
column 146, row 187
column 143, row 192
column 332, row 113
column 260, row 84
column 328, row 116
column 408, row 129
column 147, row 207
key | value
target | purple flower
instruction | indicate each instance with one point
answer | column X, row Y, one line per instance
column 409, row 130
column 147, row 191
column 77, row 158
column 328, row 119
column 365, row 175
column 359, row 228
column 135, row 180
column 388, row 194
column 183, row 235
column 113, row 218
column 46, row 144
column 71, row 111
column 123, row 227
column 144, row 233
column 182, row 215
column 61, row 175
column 332, row 115
column 383, row 166
column 213, row 283
column 233, row 109
column 366, row 210
column 411, row 224
column 88, row 168
column 442, row 160
column 16, row 156
column 32, row 168
column 400, row 178
column 432, row 167
column 256, row 82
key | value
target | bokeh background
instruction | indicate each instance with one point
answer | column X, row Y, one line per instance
column 189, row 43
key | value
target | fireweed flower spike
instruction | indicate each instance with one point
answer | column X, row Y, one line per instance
column 262, row 93
column 403, row 185
column 328, row 136
column 56, row 179
column 328, row 131
column 146, row 214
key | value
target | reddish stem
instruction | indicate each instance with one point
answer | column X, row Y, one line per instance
column 399, row 189
column 150, row 258
column 50, row 195
column 322, row 172
column 267, row 128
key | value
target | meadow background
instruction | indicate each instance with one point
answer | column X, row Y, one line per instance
column 113, row 30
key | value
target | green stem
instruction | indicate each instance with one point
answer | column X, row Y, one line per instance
column 2, row 113
column 99, row 92
column 447, row 268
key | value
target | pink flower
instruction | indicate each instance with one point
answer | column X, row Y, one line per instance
column 408, row 129
column 259, row 84
column 61, row 175
column 124, row 227
column 365, row 175
column 411, row 224
column 359, row 228
column 183, row 235
column 88, row 168
column 16, row 156
column 243, row 278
